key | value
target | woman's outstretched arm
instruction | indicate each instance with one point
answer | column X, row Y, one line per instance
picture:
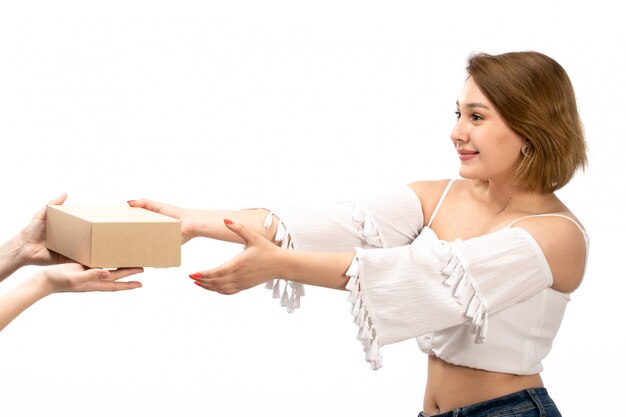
column 70, row 277
column 209, row 223
column 262, row 261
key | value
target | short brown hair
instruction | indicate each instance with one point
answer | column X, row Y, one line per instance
column 535, row 97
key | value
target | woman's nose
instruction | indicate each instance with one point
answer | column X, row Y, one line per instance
column 459, row 132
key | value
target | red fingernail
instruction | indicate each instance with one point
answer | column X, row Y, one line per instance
column 197, row 283
column 195, row 276
column 228, row 221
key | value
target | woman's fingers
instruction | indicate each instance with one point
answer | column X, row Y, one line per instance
column 107, row 280
column 113, row 286
column 76, row 278
column 249, row 237
column 59, row 200
column 41, row 214
column 122, row 273
column 220, row 279
column 157, row 207
column 147, row 204
column 221, row 286
column 213, row 281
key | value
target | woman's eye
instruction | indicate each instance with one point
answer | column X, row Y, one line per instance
column 476, row 117
column 457, row 114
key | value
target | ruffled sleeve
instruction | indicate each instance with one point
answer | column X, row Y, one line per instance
column 394, row 218
column 404, row 292
column 391, row 219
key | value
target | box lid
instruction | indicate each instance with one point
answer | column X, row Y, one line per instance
column 114, row 214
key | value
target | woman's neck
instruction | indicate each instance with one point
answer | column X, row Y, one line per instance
column 504, row 196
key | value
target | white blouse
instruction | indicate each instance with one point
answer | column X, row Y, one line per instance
column 485, row 302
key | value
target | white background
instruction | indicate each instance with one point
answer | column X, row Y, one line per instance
column 225, row 104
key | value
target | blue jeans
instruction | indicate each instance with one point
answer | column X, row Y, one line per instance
column 534, row 402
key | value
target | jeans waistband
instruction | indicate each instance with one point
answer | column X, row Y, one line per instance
column 529, row 399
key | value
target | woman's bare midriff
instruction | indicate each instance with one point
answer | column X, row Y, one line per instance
column 451, row 386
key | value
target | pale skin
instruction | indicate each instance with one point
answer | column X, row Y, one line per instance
column 485, row 200
column 28, row 247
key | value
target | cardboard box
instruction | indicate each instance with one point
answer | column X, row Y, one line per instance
column 113, row 236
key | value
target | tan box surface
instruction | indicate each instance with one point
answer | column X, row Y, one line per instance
column 113, row 236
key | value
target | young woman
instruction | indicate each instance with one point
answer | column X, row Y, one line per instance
column 29, row 248
column 479, row 270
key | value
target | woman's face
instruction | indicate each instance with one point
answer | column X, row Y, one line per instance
column 488, row 149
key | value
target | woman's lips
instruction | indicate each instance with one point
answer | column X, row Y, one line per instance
column 466, row 154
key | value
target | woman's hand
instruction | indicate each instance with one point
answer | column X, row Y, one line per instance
column 73, row 277
column 69, row 277
column 33, row 240
column 259, row 262
column 185, row 216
